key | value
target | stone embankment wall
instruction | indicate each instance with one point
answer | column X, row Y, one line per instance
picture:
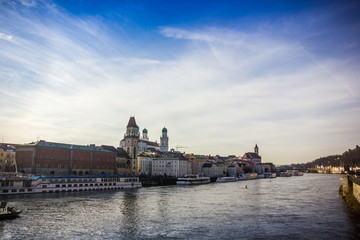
column 351, row 191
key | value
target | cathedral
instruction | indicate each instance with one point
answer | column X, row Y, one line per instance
column 133, row 143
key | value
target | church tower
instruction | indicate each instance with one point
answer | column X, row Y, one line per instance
column 256, row 149
column 164, row 141
column 145, row 134
column 131, row 138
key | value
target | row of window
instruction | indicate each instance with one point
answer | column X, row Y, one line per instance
column 70, row 180
column 15, row 190
column 131, row 179
column 82, row 180
column 83, row 185
column 7, row 155
column 56, row 157
column 45, row 165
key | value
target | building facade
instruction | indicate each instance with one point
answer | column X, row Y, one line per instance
column 7, row 158
column 145, row 165
column 174, row 167
column 134, row 145
column 212, row 170
column 58, row 158
column 253, row 157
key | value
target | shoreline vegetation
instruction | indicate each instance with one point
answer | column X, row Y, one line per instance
column 348, row 161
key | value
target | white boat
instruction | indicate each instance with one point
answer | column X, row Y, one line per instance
column 270, row 175
column 192, row 180
column 286, row 174
column 226, row 179
column 247, row 176
column 25, row 184
column 297, row 173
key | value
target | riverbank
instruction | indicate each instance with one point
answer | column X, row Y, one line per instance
column 349, row 190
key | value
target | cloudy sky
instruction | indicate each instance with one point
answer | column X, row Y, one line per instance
column 222, row 76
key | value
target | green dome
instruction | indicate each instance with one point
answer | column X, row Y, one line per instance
column 164, row 129
column 145, row 130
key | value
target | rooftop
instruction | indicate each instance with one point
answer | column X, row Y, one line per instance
column 43, row 143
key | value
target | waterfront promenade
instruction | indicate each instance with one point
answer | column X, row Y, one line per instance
column 307, row 207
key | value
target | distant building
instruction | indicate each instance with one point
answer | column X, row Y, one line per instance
column 7, row 158
column 212, row 170
column 134, row 145
column 59, row 158
column 122, row 160
column 164, row 141
column 145, row 164
column 175, row 167
column 253, row 156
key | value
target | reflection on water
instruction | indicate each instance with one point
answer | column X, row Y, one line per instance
column 307, row 207
column 130, row 211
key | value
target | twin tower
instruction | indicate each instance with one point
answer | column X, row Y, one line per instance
column 132, row 143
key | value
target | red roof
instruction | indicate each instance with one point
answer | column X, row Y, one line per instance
column 132, row 122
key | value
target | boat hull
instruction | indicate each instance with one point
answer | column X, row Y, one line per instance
column 226, row 179
column 10, row 215
column 193, row 180
column 31, row 185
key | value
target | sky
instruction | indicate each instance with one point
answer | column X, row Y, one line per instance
column 221, row 76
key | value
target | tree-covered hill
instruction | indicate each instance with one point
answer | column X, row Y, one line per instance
column 350, row 158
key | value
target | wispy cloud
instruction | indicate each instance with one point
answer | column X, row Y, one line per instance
column 6, row 37
column 76, row 79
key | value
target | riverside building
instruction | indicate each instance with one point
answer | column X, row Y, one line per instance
column 253, row 157
column 174, row 167
column 133, row 145
column 59, row 158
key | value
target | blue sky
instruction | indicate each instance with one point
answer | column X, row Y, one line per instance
column 220, row 75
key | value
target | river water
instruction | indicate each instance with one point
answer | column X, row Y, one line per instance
column 307, row 207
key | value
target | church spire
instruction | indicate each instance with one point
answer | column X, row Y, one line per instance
column 256, row 149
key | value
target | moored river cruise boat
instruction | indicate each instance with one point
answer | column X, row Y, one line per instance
column 270, row 175
column 226, row 179
column 192, row 180
column 24, row 184
column 247, row 176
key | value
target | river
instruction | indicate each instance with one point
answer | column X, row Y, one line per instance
column 306, row 207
